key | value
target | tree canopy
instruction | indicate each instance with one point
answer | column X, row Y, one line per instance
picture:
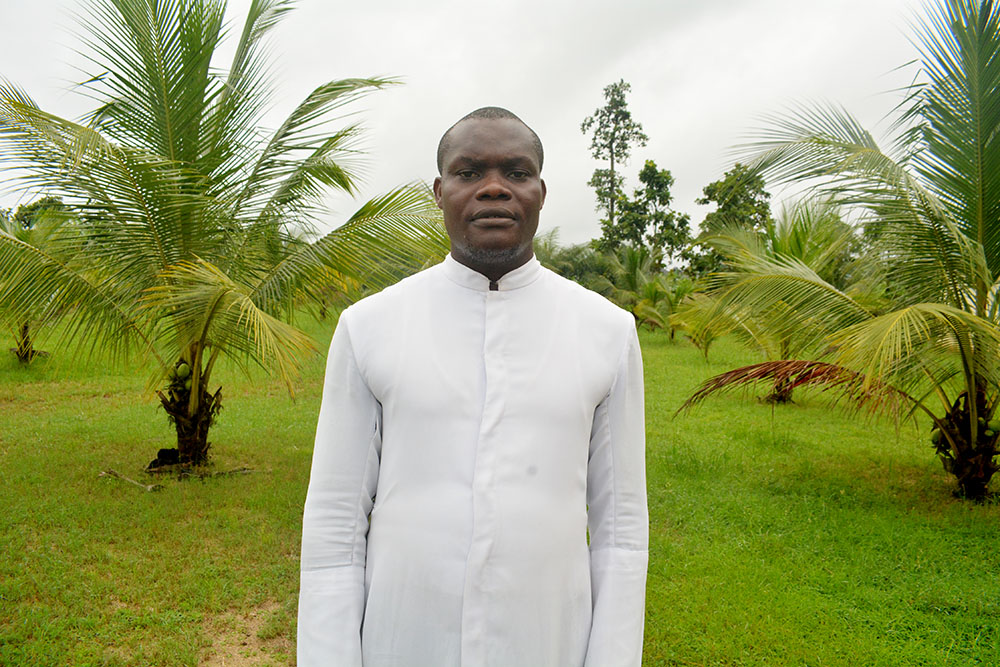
column 741, row 202
column 646, row 219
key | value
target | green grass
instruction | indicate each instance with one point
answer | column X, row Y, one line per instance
column 794, row 536
column 805, row 536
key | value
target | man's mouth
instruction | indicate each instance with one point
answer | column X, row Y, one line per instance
column 493, row 215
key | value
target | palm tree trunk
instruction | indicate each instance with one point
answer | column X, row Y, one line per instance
column 191, row 428
column 971, row 462
column 25, row 350
column 781, row 392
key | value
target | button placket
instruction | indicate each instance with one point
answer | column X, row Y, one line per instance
column 477, row 580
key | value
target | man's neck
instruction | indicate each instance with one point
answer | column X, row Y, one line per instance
column 493, row 271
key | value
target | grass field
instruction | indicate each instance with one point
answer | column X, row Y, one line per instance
column 794, row 536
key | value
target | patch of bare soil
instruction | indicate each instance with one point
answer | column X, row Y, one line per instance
column 236, row 639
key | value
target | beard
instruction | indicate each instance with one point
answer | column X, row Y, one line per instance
column 495, row 257
column 492, row 255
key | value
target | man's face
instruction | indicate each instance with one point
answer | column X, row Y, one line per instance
column 490, row 191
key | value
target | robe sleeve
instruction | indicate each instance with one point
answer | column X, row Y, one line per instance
column 618, row 518
column 335, row 523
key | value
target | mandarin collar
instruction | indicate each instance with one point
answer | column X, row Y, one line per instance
column 462, row 275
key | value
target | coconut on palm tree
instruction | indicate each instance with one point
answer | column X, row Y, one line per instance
column 931, row 201
column 194, row 238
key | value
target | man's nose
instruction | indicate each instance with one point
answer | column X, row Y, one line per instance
column 493, row 186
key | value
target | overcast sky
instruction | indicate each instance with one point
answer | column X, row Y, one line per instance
column 702, row 73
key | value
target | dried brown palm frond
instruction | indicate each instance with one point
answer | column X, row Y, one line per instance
column 859, row 392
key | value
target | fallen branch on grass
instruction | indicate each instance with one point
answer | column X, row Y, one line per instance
column 221, row 473
column 118, row 475
column 186, row 470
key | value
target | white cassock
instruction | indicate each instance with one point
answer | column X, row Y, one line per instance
column 468, row 439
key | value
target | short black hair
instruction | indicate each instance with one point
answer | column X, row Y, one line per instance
column 487, row 113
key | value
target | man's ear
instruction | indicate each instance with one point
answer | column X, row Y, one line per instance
column 543, row 194
column 437, row 191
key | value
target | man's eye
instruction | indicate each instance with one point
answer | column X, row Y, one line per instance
column 467, row 174
column 519, row 175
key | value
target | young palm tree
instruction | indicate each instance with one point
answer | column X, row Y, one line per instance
column 36, row 224
column 660, row 298
column 700, row 318
column 933, row 206
column 810, row 232
column 629, row 269
column 193, row 219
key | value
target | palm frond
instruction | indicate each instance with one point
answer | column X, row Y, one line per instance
column 208, row 309
column 860, row 392
column 152, row 201
column 959, row 112
column 794, row 299
column 826, row 142
column 734, row 239
column 155, row 60
column 920, row 343
column 702, row 320
column 928, row 257
column 394, row 234
column 301, row 133
column 246, row 90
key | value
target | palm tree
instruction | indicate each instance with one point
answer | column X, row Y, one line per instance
column 549, row 253
column 702, row 320
column 932, row 201
column 629, row 269
column 35, row 224
column 660, row 298
column 630, row 278
column 581, row 262
column 194, row 221
column 810, row 232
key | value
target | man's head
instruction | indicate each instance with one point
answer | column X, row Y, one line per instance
column 490, row 190
column 487, row 113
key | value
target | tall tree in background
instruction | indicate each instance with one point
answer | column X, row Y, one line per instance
column 613, row 135
column 646, row 219
column 193, row 239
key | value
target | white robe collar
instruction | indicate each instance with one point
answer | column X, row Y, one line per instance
column 520, row 277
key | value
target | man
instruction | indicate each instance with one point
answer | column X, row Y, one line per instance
column 477, row 419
